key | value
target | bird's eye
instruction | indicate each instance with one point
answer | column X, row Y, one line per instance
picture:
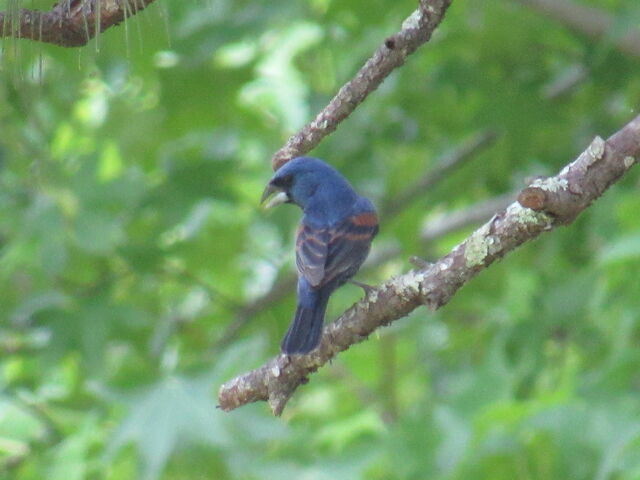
column 285, row 181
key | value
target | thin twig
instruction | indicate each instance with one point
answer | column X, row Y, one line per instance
column 566, row 83
column 280, row 289
column 416, row 30
column 444, row 166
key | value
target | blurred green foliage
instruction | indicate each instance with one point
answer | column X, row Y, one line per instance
column 130, row 239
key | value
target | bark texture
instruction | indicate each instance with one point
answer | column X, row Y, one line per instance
column 69, row 23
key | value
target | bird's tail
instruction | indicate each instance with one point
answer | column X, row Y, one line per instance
column 306, row 329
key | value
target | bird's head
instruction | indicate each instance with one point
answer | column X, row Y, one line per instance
column 297, row 180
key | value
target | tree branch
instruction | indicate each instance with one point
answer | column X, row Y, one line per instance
column 416, row 30
column 70, row 23
column 563, row 197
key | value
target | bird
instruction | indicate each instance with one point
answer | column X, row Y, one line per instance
column 333, row 239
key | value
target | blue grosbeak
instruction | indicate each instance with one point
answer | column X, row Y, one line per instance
column 333, row 239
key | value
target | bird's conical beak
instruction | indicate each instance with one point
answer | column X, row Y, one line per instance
column 277, row 196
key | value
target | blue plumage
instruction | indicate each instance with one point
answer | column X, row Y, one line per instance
column 333, row 240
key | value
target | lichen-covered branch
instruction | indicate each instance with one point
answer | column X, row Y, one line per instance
column 416, row 30
column 69, row 23
column 558, row 201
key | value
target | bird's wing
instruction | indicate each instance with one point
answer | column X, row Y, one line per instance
column 312, row 245
column 322, row 254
